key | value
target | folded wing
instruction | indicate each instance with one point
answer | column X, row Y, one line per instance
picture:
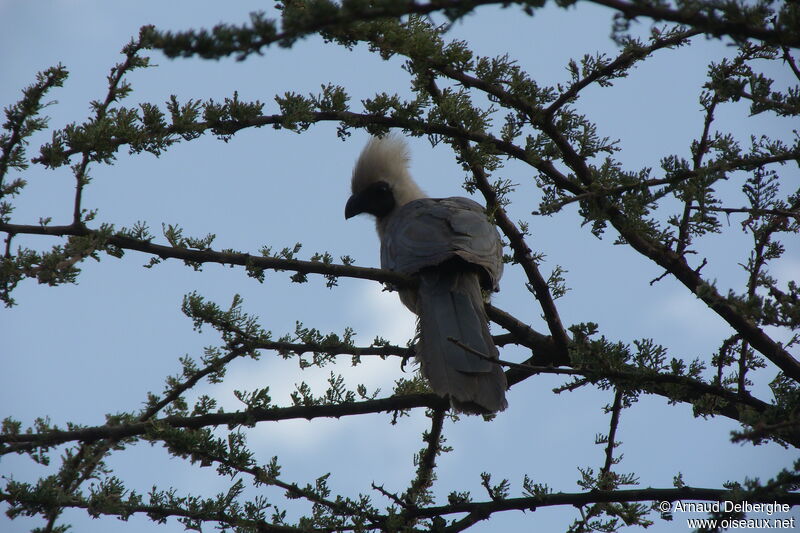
column 456, row 252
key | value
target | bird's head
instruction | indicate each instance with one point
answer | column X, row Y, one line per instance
column 381, row 182
column 376, row 199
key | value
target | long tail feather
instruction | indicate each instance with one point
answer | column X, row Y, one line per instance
column 450, row 305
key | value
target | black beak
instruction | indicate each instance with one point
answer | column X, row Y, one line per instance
column 355, row 205
column 376, row 200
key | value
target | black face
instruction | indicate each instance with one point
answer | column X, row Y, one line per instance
column 377, row 200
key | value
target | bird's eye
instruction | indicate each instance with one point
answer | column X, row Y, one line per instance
column 383, row 186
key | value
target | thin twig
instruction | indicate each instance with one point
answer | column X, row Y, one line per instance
column 532, row 369
column 697, row 162
column 612, row 431
column 620, row 63
column 751, row 211
column 787, row 56
column 427, row 460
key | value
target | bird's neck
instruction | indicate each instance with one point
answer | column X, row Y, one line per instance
column 405, row 190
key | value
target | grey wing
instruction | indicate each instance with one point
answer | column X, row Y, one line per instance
column 429, row 231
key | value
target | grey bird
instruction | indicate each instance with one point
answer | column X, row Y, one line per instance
column 456, row 254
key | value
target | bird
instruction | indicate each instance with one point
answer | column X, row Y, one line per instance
column 455, row 253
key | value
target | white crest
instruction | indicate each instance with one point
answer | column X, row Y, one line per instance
column 386, row 159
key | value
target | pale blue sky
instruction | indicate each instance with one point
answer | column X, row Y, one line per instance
column 77, row 352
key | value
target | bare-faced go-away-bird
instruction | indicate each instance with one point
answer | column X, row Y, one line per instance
column 455, row 253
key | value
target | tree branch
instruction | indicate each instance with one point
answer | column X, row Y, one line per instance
column 612, row 432
column 124, row 509
column 622, row 62
column 711, row 24
column 751, row 211
column 674, row 387
column 246, row 417
column 299, row 22
column 480, row 510
column 700, row 150
column 427, row 461
column 787, row 56
column 339, row 349
column 543, row 347
column 486, row 509
column 349, row 118
column 721, row 166
column 210, row 256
